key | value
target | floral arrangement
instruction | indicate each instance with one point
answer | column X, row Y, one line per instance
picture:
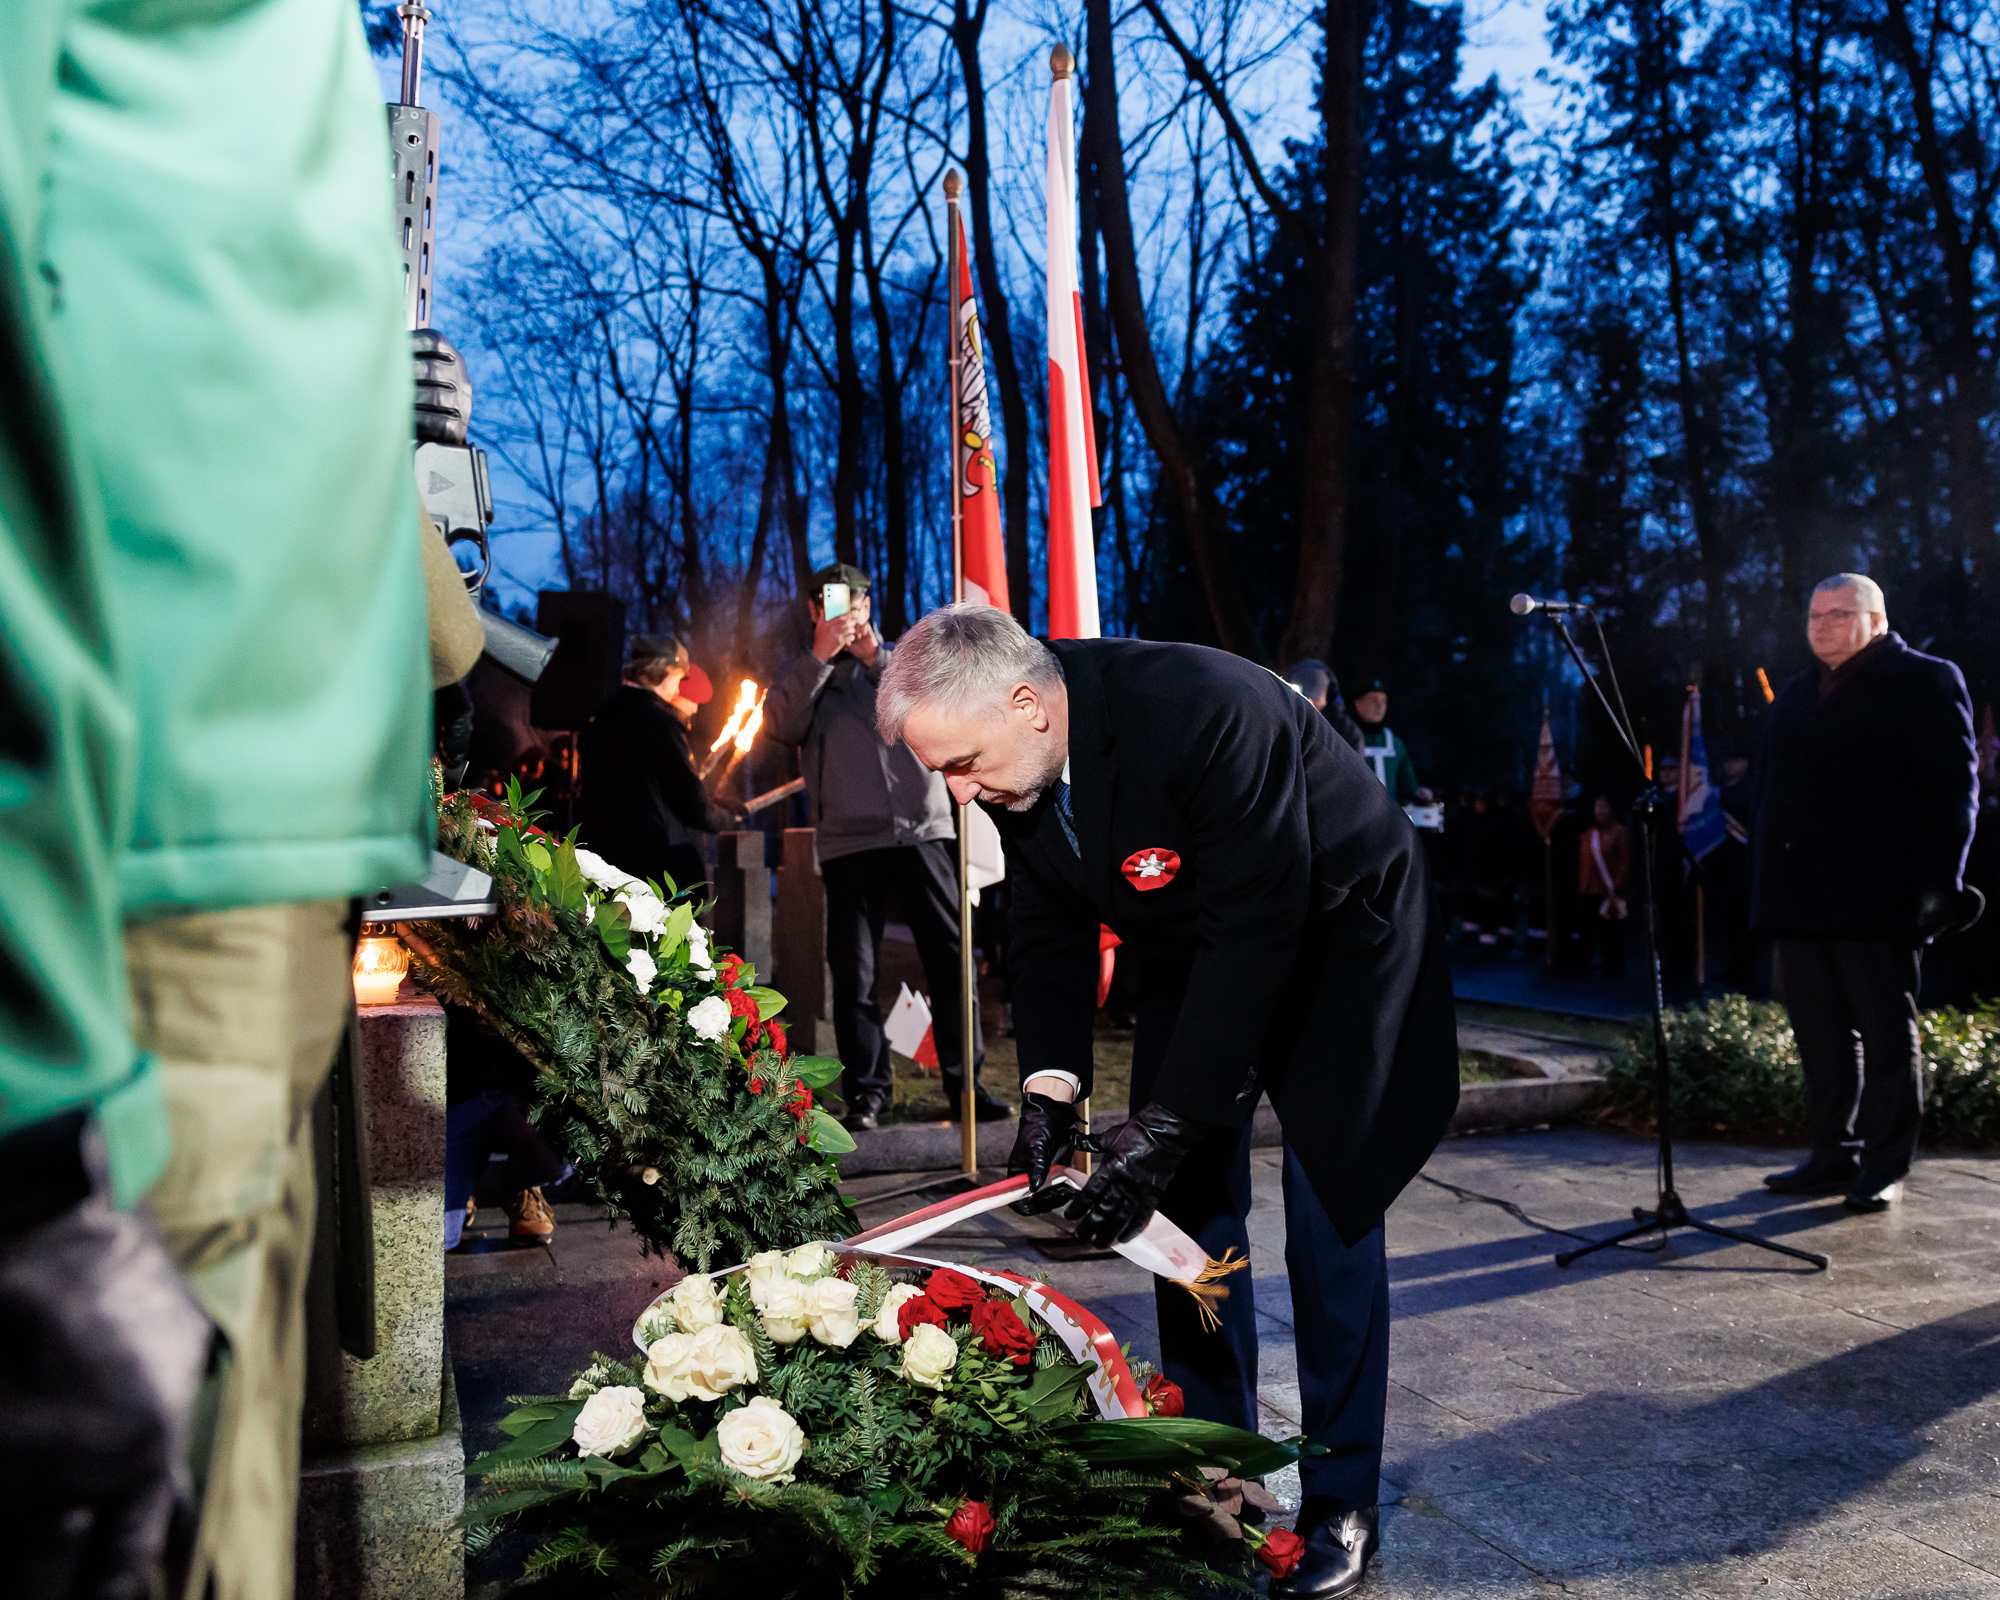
column 811, row 1425
column 664, row 1072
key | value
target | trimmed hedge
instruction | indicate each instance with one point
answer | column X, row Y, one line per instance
column 1735, row 1071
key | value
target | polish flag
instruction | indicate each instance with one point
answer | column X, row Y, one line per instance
column 978, row 482
column 1073, row 487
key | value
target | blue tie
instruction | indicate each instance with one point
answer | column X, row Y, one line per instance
column 1066, row 816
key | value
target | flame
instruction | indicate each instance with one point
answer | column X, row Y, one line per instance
column 379, row 964
column 749, row 704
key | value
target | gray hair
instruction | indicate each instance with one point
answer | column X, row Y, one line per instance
column 1866, row 590
column 962, row 658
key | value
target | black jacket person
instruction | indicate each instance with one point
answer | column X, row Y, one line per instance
column 1867, row 785
column 1276, row 900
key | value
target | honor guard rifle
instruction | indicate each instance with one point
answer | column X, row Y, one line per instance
column 451, row 471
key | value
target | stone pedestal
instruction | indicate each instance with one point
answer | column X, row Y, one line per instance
column 742, row 914
column 381, row 1481
column 798, row 945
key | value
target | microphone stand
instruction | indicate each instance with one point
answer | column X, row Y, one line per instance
column 1667, row 1211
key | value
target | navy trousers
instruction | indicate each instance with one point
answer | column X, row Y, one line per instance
column 1340, row 1322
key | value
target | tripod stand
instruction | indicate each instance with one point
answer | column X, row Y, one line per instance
column 1667, row 1211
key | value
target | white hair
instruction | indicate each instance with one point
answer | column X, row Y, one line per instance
column 960, row 659
column 1866, row 590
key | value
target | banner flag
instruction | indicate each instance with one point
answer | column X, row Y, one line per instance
column 1073, row 485
column 978, row 482
column 1545, row 800
column 1703, row 825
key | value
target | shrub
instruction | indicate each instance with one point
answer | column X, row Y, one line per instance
column 1734, row 1067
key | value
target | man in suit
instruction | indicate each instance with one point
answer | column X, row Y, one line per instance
column 1277, row 903
column 1866, row 792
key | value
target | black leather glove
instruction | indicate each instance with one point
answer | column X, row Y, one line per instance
column 1125, row 1190
column 444, row 389
column 106, row 1352
column 1049, row 1134
column 1941, row 911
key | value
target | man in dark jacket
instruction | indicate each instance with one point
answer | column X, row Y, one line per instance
column 643, row 808
column 884, row 824
column 1277, row 902
column 1866, row 789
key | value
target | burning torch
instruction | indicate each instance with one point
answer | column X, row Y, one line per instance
column 733, row 743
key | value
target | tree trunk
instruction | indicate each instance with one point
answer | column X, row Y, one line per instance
column 1200, row 515
column 1965, row 388
column 1324, row 467
column 896, row 497
column 965, row 30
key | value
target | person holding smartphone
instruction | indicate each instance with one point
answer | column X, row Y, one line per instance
column 884, row 823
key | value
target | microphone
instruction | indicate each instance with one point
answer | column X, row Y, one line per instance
column 1522, row 604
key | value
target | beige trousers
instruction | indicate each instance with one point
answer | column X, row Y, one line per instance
column 244, row 1011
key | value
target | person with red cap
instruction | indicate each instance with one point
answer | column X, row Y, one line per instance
column 643, row 808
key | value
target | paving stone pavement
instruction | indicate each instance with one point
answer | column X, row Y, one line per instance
column 1705, row 1420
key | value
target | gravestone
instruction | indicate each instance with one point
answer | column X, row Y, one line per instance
column 798, row 945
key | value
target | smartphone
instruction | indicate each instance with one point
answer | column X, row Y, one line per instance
column 833, row 600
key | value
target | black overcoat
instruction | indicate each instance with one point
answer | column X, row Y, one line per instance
column 643, row 808
column 1289, row 916
column 1864, row 799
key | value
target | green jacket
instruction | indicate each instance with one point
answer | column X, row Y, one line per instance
column 65, row 733
column 231, row 317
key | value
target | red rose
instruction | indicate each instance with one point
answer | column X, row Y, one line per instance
column 1001, row 1331
column 730, row 968
column 756, row 1084
column 1280, row 1551
column 1163, row 1397
column 972, row 1525
column 802, row 1101
column 954, row 1290
column 774, row 1036
column 741, row 1005
column 917, row 1311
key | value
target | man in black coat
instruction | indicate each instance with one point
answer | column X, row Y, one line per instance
column 643, row 808
column 1277, row 902
column 1866, row 789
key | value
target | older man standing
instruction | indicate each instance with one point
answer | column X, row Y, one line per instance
column 1287, row 941
column 1864, row 809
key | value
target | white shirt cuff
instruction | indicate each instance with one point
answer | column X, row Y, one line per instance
column 1075, row 1083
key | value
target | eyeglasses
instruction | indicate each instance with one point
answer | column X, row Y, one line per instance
column 1834, row 616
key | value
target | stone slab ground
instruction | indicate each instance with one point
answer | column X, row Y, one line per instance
column 1708, row 1420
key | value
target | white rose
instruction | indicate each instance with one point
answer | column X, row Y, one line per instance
column 710, row 1018
column 647, row 911
column 667, row 1366
column 599, row 871
column 887, row 1327
column 611, row 1421
column 657, row 1322
column 640, row 964
column 696, row 1303
column 928, row 1354
column 810, row 1261
column 698, row 957
column 721, row 1360
column 786, row 1311
column 760, row 1440
column 830, row 1303
column 762, row 1270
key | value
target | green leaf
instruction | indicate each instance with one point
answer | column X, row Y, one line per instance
column 1050, row 1395
column 815, row 1072
column 538, row 855
column 614, row 927
column 551, row 1433
column 674, row 935
column 568, row 887
column 769, row 1002
column 827, row 1136
column 1168, row 1443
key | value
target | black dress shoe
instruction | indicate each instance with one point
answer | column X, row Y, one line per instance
column 1870, row 1195
column 862, row 1116
column 1338, row 1550
column 1820, row 1175
column 985, row 1107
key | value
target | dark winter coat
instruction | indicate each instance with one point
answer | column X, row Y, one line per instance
column 1285, row 929
column 643, row 809
column 1865, row 798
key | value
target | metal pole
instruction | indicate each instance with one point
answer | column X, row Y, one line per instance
column 968, row 976
column 414, row 17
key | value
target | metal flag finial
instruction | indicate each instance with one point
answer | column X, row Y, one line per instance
column 1062, row 63
column 954, row 185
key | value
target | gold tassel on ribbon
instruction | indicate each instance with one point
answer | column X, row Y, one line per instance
column 1209, row 1290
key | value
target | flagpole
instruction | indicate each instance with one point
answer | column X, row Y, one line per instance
column 968, row 976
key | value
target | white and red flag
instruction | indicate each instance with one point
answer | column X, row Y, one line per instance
column 1545, row 800
column 1073, row 487
column 978, row 483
